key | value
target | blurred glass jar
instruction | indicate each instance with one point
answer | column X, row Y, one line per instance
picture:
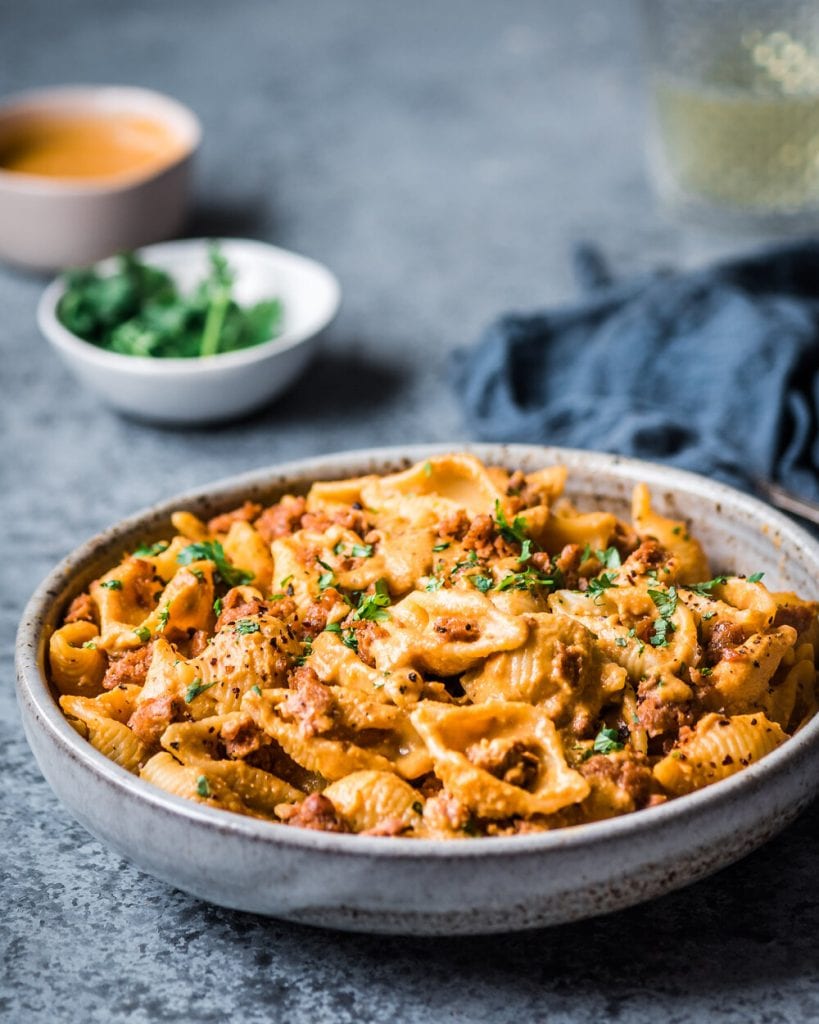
column 734, row 98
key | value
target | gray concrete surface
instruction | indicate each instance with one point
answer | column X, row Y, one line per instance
column 442, row 158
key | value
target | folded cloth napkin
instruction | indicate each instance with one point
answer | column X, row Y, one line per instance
column 713, row 370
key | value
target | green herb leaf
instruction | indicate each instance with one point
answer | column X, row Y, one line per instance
column 163, row 617
column 212, row 551
column 362, row 550
column 217, row 606
column 433, row 583
column 482, row 583
column 150, row 550
column 195, row 688
column 373, row 606
column 255, row 688
column 610, row 558
column 607, row 741
column 755, row 577
column 599, row 584
column 514, row 532
column 246, row 626
column 704, row 589
column 111, row 584
column 202, row 787
column 530, row 579
column 442, row 546
column 89, row 645
column 143, row 633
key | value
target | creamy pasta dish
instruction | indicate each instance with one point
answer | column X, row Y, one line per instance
column 448, row 651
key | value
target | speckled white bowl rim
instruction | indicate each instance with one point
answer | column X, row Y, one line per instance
column 681, row 813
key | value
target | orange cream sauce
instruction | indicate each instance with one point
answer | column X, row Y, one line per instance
column 87, row 145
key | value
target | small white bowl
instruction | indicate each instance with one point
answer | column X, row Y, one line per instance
column 202, row 390
column 50, row 222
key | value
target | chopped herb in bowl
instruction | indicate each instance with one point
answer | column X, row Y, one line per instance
column 139, row 311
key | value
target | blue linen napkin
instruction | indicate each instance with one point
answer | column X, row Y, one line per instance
column 713, row 370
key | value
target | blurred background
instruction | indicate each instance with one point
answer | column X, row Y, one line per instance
column 444, row 160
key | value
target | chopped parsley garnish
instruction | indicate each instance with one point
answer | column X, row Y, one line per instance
column 89, row 645
column 442, row 546
column 255, row 688
column 482, row 583
column 362, row 550
column 600, row 584
column 514, row 532
column 286, row 580
column 621, row 641
column 348, row 637
column 607, row 741
column 755, row 577
column 704, row 589
column 196, row 687
column 246, row 626
column 149, row 550
column 706, row 671
column 328, row 577
column 373, row 606
column 111, row 584
column 306, row 651
column 433, row 583
column 202, row 787
column 163, row 617
column 143, row 633
column 217, row 606
column 339, row 548
column 526, row 580
column 708, row 615
column 212, row 551
column 666, row 603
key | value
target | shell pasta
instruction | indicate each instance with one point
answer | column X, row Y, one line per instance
column 449, row 651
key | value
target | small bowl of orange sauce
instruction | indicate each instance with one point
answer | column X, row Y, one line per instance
column 88, row 170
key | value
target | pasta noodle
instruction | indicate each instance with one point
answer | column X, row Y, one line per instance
column 452, row 650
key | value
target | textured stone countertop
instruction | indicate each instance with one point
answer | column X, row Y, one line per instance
column 442, row 158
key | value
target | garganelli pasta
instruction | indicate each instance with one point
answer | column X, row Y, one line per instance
column 448, row 651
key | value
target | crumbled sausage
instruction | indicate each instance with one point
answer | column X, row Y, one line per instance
column 484, row 540
column 351, row 519
column 454, row 525
column 568, row 563
column 241, row 737
column 199, row 641
column 81, row 609
column 649, row 555
column 309, row 702
column 280, row 520
column 244, row 514
column 662, row 718
column 511, row 761
column 569, row 662
column 235, row 606
column 797, row 616
column 316, row 812
column 130, row 668
column 634, row 777
column 366, row 632
column 724, row 639
column 153, row 717
column 317, row 521
column 453, row 627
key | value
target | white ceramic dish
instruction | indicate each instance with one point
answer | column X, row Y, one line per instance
column 179, row 391
column 50, row 222
column 425, row 886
